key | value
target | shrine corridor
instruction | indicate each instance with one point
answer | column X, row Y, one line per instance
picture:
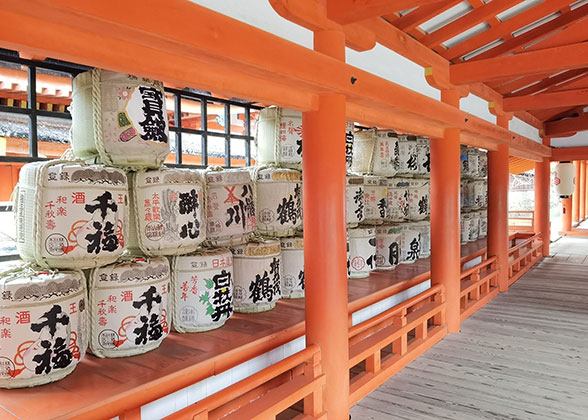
column 522, row 356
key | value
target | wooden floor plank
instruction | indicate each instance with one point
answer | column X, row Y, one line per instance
column 522, row 356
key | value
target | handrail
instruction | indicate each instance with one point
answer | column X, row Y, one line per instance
column 310, row 356
column 523, row 244
column 477, row 267
column 528, row 223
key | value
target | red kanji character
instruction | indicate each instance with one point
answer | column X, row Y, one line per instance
column 50, row 214
column 147, row 203
column 23, row 317
column 78, row 198
column 102, row 304
column 164, row 289
column 62, row 211
column 155, row 210
column 49, row 205
column 102, row 321
column 126, row 296
column 102, row 312
column 184, row 286
column 5, row 320
column 148, row 217
column 121, row 198
column 72, row 308
column 112, row 309
column 184, row 296
column 215, row 263
column 61, row 199
column 173, row 196
column 231, row 197
column 50, row 224
column 5, row 333
column 157, row 216
column 111, row 298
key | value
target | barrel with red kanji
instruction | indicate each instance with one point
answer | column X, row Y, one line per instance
column 376, row 152
column 362, row 251
column 230, row 207
column 279, row 137
column 167, row 208
column 129, row 306
column 119, row 119
column 43, row 325
column 202, row 290
column 257, row 267
column 70, row 215
column 293, row 267
column 376, row 199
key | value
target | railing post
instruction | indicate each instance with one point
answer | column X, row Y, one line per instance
column 566, row 214
column 498, row 180
column 576, row 195
column 325, row 254
column 445, row 243
column 582, row 183
column 542, row 192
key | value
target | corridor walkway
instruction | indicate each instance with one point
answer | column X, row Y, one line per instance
column 523, row 356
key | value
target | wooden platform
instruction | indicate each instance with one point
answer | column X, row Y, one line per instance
column 100, row 387
column 522, row 356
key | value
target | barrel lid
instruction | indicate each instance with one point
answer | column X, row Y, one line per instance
column 278, row 174
column 362, row 232
column 28, row 284
column 399, row 182
column 85, row 78
column 293, row 242
column 68, row 173
column 388, row 229
column 374, row 180
column 228, row 176
column 263, row 248
column 168, row 176
column 135, row 270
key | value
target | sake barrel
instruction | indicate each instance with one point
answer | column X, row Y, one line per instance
column 70, row 215
column 398, row 195
column 230, row 207
column 258, row 272
column 424, row 229
column 474, row 226
column 388, row 245
column 129, row 306
column 466, row 227
column 279, row 137
column 202, row 290
column 483, row 164
column 424, row 154
column 376, row 152
column 376, row 199
column 119, row 119
column 355, row 199
column 483, row 224
column 479, row 194
column 468, row 193
column 485, row 181
column 349, row 140
column 166, row 211
column 362, row 251
column 278, row 201
column 418, row 199
column 462, row 193
column 408, row 155
column 44, row 325
column 473, row 161
column 293, row 267
column 410, row 250
column 465, row 163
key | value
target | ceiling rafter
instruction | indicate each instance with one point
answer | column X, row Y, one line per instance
column 573, row 33
column 468, row 21
column 413, row 19
column 566, row 126
column 350, row 11
column 546, row 100
column 528, row 37
column 553, row 113
column 505, row 29
column 507, row 86
column 549, row 82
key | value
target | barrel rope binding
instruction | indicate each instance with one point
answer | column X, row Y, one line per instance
column 99, row 140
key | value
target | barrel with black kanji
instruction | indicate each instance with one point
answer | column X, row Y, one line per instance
column 424, row 157
column 129, row 306
column 465, row 227
column 408, row 155
column 279, row 137
column 418, row 199
column 398, row 196
column 292, row 267
column 43, row 325
column 362, row 251
column 119, row 119
column 474, row 226
column 278, row 195
column 388, row 246
column 483, row 224
column 70, row 215
column 424, row 229
column 202, row 290
column 376, row 152
column 230, row 207
column 167, row 208
column 355, row 200
column 376, row 199
column 410, row 250
column 257, row 267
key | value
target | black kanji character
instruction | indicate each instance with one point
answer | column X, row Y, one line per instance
column 110, row 240
column 415, row 249
column 260, row 289
column 154, row 122
column 424, row 205
column 427, row 164
column 287, row 211
column 188, row 202
column 63, row 356
column 358, row 199
column 141, row 331
column 52, row 319
column 190, row 229
column 104, row 203
column 383, row 207
column 222, row 299
column 394, row 252
column 155, row 328
column 301, row 279
column 44, row 359
column 411, row 163
column 149, row 296
column 94, row 238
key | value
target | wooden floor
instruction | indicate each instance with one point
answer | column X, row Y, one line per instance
column 523, row 356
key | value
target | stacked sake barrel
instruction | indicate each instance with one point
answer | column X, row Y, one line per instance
column 391, row 225
column 474, row 194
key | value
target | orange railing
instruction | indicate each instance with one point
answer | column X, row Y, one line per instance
column 384, row 344
column 479, row 285
column 268, row 392
column 523, row 255
column 521, row 220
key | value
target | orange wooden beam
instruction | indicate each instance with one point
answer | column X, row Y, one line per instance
column 504, row 30
column 348, row 11
column 535, row 62
column 467, row 21
column 413, row 19
column 569, row 153
column 546, row 82
column 571, row 34
column 546, row 100
column 541, row 31
column 566, row 126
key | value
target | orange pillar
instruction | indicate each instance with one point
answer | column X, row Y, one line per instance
column 542, row 200
column 498, row 179
column 576, row 195
column 445, row 244
column 582, row 183
column 566, row 214
column 325, row 251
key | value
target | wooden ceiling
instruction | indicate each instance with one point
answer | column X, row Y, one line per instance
column 532, row 52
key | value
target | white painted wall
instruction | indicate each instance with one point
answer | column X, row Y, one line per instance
column 379, row 61
column 580, row 139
